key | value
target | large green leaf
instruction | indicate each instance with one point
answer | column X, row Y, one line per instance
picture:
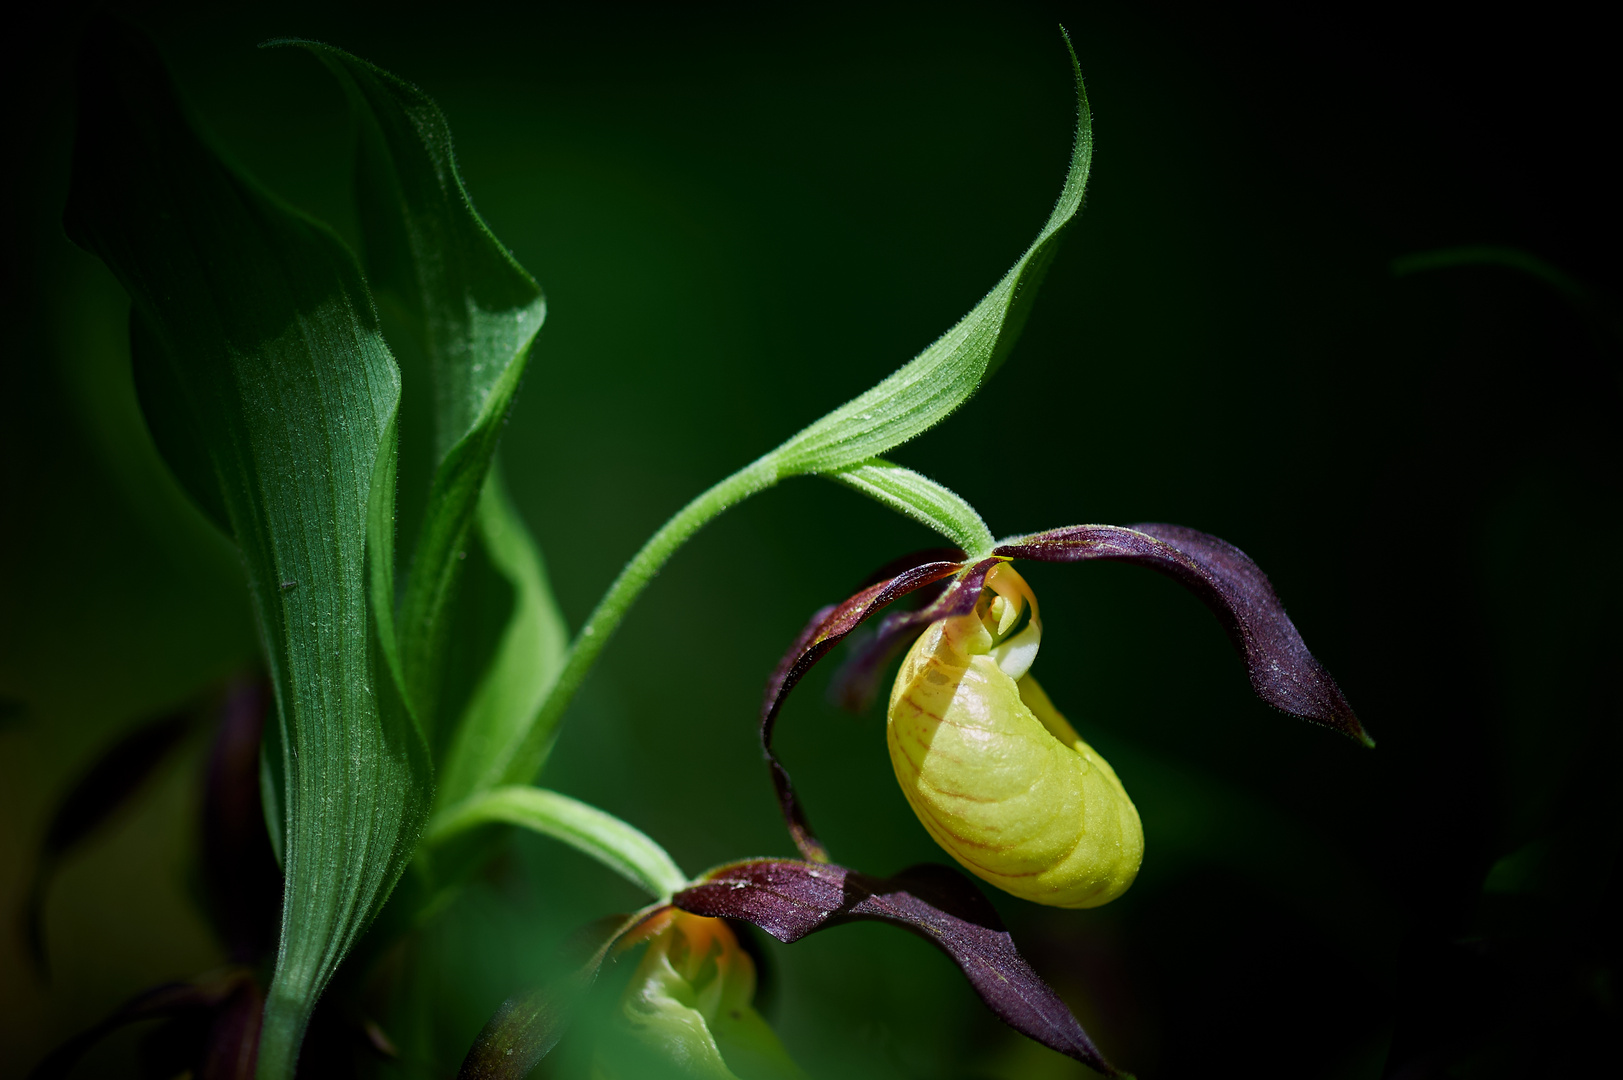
column 260, row 352
column 476, row 312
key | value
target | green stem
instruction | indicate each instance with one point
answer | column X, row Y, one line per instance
column 605, row 619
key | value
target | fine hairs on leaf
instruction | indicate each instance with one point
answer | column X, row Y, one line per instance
column 265, row 353
column 845, row 445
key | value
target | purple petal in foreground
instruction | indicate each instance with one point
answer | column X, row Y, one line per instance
column 790, row 899
column 856, row 684
column 1283, row 672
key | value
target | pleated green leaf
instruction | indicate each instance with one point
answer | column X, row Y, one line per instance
column 260, row 361
column 476, row 312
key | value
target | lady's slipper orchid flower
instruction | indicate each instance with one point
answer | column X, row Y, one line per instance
column 992, row 769
column 996, row 775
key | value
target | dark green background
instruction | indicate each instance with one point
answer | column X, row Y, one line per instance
column 743, row 220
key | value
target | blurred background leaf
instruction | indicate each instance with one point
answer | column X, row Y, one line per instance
column 1219, row 344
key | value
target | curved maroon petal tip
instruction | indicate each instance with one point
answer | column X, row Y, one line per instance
column 1283, row 672
column 856, row 684
column 828, row 628
column 790, row 899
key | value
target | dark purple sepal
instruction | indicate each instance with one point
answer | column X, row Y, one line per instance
column 106, row 788
column 232, row 1049
column 856, row 684
column 1283, row 672
column 527, row 1026
column 239, row 868
column 790, row 899
column 230, row 998
column 825, row 630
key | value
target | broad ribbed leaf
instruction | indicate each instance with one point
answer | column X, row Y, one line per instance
column 1283, row 672
column 478, row 311
column 791, row 899
column 265, row 349
column 622, row 848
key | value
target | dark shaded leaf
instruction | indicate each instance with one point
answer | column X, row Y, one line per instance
column 790, row 899
column 1283, row 672
column 1602, row 309
column 107, row 787
column 239, row 867
column 265, row 350
column 826, row 629
column 527, row 1027
column 229, row 999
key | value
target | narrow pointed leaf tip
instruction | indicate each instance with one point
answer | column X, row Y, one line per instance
column 790, row 899
column 930, row 387
column 1282, row 670
column 942, row 377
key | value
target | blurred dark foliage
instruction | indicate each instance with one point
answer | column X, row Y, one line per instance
column 741, row 221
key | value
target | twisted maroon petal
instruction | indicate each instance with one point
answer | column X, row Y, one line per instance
column 826, row 630
column 1283, row 672
column 790, row 899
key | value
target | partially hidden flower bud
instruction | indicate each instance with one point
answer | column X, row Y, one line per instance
column 996, row 775
column 687, row 1011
